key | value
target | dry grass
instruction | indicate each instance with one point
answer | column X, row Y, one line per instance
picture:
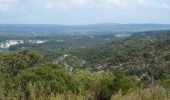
column 158, row 93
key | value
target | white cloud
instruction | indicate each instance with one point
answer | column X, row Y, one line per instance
column 123, row 3
column 4, row 7
column 56, row 5
column 80, row 2
column 7, row 5
column 120, row 3
column 64, row 4
column 154, row 4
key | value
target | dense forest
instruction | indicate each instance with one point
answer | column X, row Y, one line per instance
column 88, row 68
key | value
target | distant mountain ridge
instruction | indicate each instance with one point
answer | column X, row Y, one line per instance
column 72, row 29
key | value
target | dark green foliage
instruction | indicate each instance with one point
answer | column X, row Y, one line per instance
column 14, row 63
column 63, row 42
column 103, row 84
column 55, row 76
column 33, row 76
column 167, row 57
column 13, row 48
column 99, row 71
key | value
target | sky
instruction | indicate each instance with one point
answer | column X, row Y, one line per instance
column 84, row 11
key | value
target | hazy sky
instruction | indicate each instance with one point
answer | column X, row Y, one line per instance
column 84, row 11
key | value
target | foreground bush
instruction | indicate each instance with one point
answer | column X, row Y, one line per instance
column 26, row 76
column 158, row 93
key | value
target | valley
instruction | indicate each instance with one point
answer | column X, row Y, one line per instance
column 87, row 66
column 84, row 49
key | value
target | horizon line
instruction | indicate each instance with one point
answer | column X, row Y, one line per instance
column 83, row 24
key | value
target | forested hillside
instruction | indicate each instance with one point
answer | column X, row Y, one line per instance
column 128, row 68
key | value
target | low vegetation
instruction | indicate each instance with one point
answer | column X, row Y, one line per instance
column 127, row 69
